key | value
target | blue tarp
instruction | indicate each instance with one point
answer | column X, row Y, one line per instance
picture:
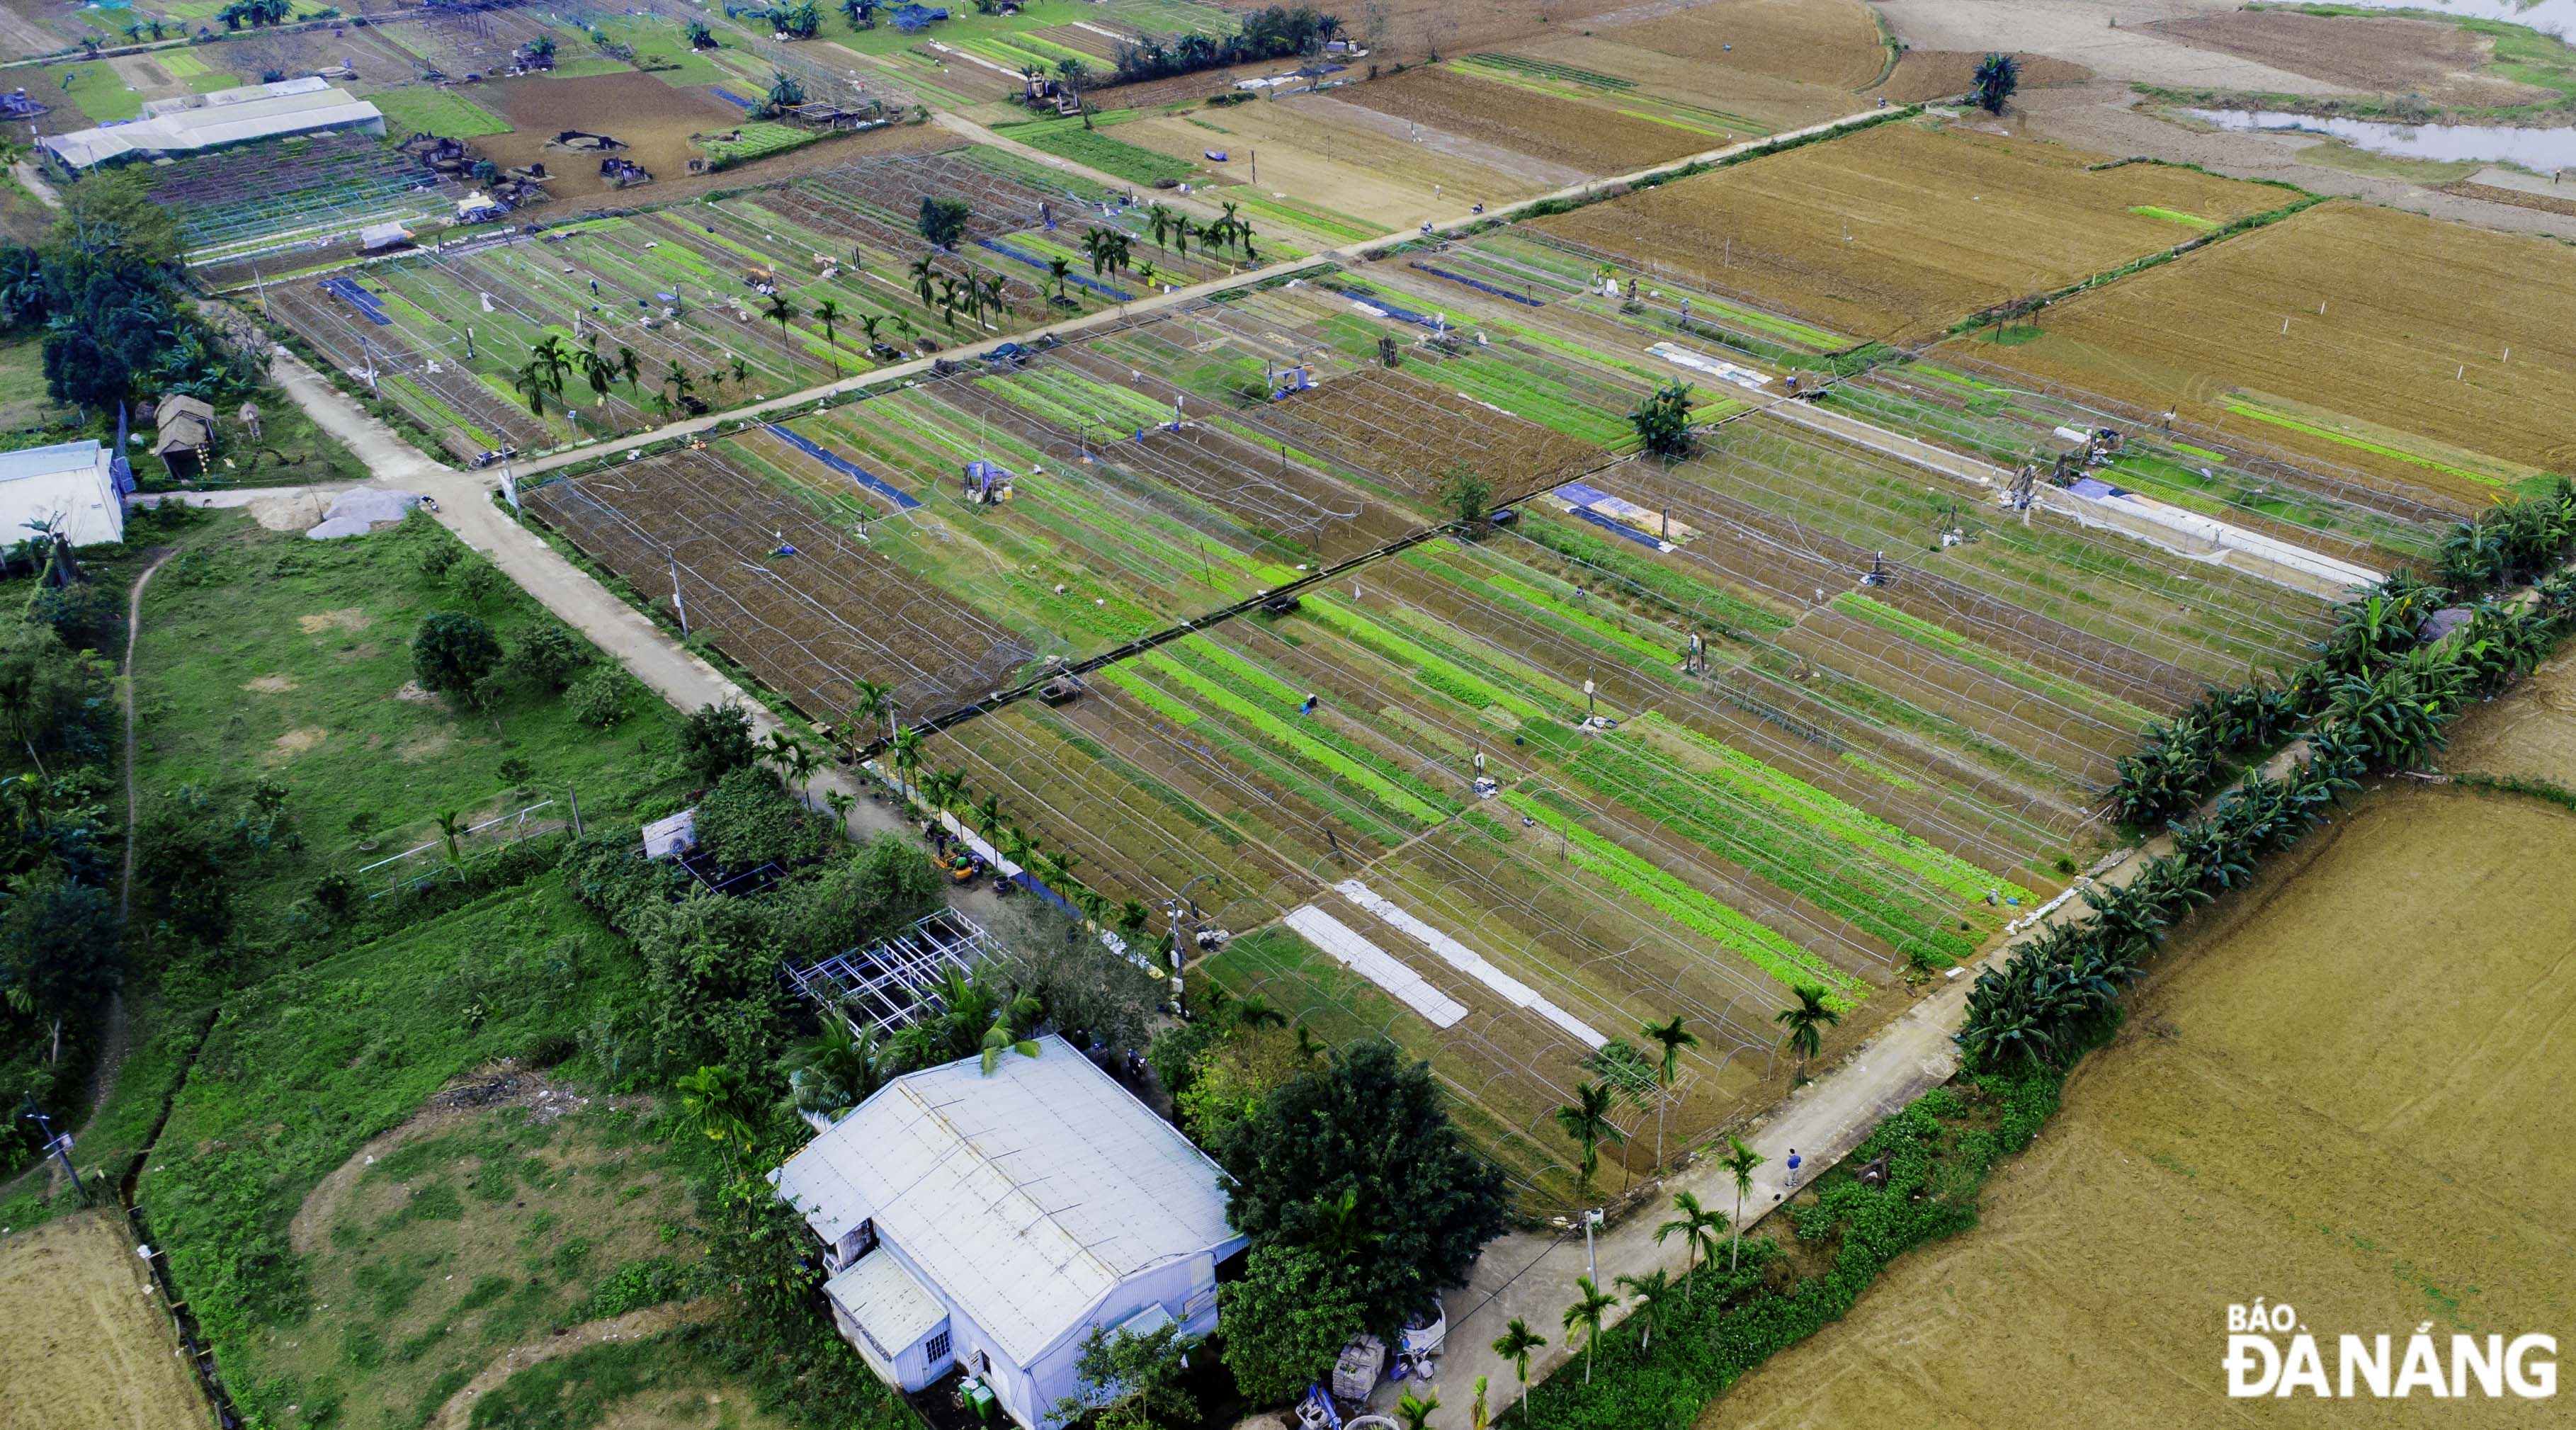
column 1401, row 315
column 729, row 97
column 846, row 468
column 1580, row 494
column 1115, row 295
column 1481, row 287
column 358, row 298
column 1642, row 538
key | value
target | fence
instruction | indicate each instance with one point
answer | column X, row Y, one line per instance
column 444, row 858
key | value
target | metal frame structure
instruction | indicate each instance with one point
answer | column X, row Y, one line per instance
column 886, row 986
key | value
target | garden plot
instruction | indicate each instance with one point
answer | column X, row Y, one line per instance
column 1402, row 426
column 249, row 199
column 2440, row 380
column 1894, row 232
column 807, row 623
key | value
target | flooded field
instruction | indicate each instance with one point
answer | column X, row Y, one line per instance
column 2339, row 1098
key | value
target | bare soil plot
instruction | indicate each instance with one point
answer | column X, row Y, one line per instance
column 1775, row 101
column 1831, row 43
column 1300, row 148
column 651, row 118
column 1394, row 423
column 1922, row 75
column 89, row 1341
column 1897, row 231
column 1596, row 139
column 2447, row 372
column 2306, row 1104
column 2436, row 61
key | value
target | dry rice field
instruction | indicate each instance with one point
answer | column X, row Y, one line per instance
column 2451, row 369
column 1589, row 137
column 89, row 1345
column 1901, row 230
column 2305, row 1107
column 1831, row 43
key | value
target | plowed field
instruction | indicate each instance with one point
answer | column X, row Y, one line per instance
column 1820, row 42
column 1901, row 230
column 88, row 1342
column 2451, row 368
column 1597, row 139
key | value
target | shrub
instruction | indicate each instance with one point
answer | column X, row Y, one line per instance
column 747, row 821
column 943, row 221
column 599, row 697
column 452, row 651
column 549, row 657
column 715, row 740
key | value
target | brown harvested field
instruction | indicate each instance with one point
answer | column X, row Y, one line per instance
column 89, row 1346
column 1411, row 431
column 2341, row 1100
column 651, row 118
column 1923, row 75
column 2432, row 59
column 1777, row 102
column 1305, row 151
column 1900, row 230
column 2406, row 377
column 1592, row 138
column 1834, row 43
column 2518, row 198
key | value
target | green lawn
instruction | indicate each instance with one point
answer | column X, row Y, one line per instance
column 425, row 109
column 1093, row 148
column 97, row 90
column 268, row 656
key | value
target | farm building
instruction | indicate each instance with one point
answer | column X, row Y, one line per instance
column 70, row 486
column 988, row 1222
column 184, row 434
column 178, row 128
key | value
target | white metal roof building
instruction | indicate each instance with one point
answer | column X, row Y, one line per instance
column 70, row 485
column 226, row 117
column 990, row 1221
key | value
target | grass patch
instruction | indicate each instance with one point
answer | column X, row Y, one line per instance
column 1067, row 139
column 420, row 109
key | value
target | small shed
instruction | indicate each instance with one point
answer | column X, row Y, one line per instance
column 69, row 487
column 186, row 428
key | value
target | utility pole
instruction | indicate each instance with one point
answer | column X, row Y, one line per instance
column 677, row 604
column 1591, row 1268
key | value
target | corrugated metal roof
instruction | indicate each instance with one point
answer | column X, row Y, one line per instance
column 1025, row 1196
column 888, row 1301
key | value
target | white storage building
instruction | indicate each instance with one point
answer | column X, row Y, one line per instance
column 70, row 486
column 990, row 1221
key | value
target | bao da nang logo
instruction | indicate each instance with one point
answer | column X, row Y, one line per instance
column 2269, row 1353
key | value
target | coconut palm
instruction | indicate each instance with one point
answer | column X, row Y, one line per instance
column 827, row 313
column 1414, row 1411
column 1698, row 1227
column 782, row 309
column 1010, row 1032
column 1587, row 1121
column 1806, row 1023
column 840, row 1070
column 1739, row 1162
column 1585, row 1315
column 1653, row 1293
column 1672, row 1037
column 1514, row 1345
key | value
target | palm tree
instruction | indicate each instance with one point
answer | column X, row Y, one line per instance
column 1806, row 1023
column 1514, row 1345
column 1160, row 216
column 1698, row 1226
column 782, row 309
column 1337, row 1229
column 1095, row 247
column 988, row 813
column 717, row 1103
column 1121, row 252
column 1654, row 1293
column 1145, row 273
column 1588, row 1123
column 923, row 272
column 907, row 752
column 1673, row 1037
column 1182, row 229
column 530, row 381
column 1585, row 1314
column 1059, row 269
column 1415, row 1412
column 1478, row 1417
column 450, row 826
column 993, row 295
column 1740, row 1161
column 939, row 788
column 740, row 368
column 875, row 702
column 1010, row 1032
column 556, row 357
column 868, row 325
column 1252, row 1012
column 839, row 1071
column 839, row 801
column 827, row 313
column 629, row 364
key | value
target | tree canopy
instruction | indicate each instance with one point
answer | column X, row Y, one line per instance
column 1373, row 1126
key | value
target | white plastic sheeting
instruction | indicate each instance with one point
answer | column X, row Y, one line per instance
column 1466, row 960
column 1354, row 951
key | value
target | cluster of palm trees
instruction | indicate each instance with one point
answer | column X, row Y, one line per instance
column 134, row 33
column 938, row 791
column 975, row 293
column 2377, row 697
column 254, row 13
column 966, row 1016
column 1627, row 1074
column 1174, row 229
